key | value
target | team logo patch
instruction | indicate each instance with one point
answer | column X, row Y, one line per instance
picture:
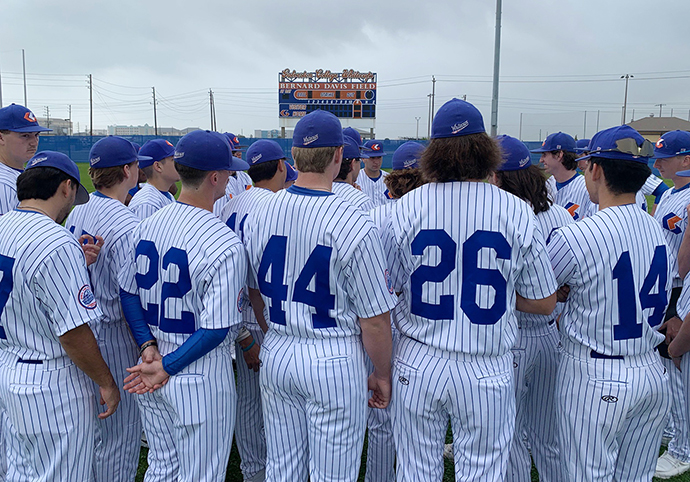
column 455, row 128
column 572, row 209
column 30, row 116
column 247, row 187
column 37, row 160
column 376, row 147
column 525, row 161
column 388, row 194
column 403, row 380
column 240, row 300
column 309, row 139
column 86, row 298
column 672, row 223
column 660, row 143
column 256, row 158
column 94, row 161
column 609, row 399
column 169, row 143
column 389, row 282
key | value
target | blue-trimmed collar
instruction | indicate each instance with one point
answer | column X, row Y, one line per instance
column 674, row 190
column 307, row 192
column 560, row 185
column 100, row 194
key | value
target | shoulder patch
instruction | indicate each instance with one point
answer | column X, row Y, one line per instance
column 240, row 300
column 389, row 282
column 86, row 298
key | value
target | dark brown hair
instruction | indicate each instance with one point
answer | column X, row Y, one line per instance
column 527, row 184
column 190, row 176
column 568, row 160
column 402, row 181
column 473, row 156
column 345, row 168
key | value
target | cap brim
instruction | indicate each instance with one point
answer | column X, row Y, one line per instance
column 146, row 158
column 683, row 173
column 583, row 158
column 541, row 149
column 664, row 156
column 371, row 154
column 31, row 129
column 291, row 172
column 578, row 150
column 237, row 164
column 82, row 196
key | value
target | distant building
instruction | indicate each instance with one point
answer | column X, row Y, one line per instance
column 147, row 130
column 271, row 134
column 653, row 127
column 61, row 127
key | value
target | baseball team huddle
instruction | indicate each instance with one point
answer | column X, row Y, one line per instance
column 543, row 319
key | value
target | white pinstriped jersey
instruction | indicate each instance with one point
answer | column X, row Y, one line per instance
column 44, row 286
column 234, row 215
column 237, row 184
column 114, row 222
column 573, row 196
column 8, row 188
column 549, row 222
column 640, row 201
column 380, row 213
column 188, row 268
column 650, row 185
column 683, row 305
column 305, row 249
column 459, row 251
column 671, row 214
column 148, row 200
column 353, row 195
column 375, row 189
column 619, row 284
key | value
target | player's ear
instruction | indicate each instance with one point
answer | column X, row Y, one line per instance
column 338, row 155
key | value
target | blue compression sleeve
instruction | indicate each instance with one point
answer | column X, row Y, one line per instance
column 196, row 346
column 660, row 189
column 134, row 314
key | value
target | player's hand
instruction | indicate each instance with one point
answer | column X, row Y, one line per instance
column 381, row 391
column 146, row 377
column 251, row 357
column 110, row 397
column 91, row 246
column 562, row 293
column 672, row 326
column 150, row 354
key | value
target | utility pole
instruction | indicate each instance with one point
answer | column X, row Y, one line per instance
column 661, row 106
column 428, row 134
column 0, row 90
column 584, row 130
column 70, row 120
column 417, row 119
column 155, row 118
column 520, row 134
column 433, row 96
column 213, row 110
column 26, row 103
column 497, row 62
column 46, row 109
column 91, row 105
column 597, row 121
column 633, row 116
column 671, row 111
column 627, row 77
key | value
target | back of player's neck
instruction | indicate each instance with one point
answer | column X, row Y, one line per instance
column 158, row 183
column 119, row 192
column 315, row 180
column 196, row 197
column 607, row 199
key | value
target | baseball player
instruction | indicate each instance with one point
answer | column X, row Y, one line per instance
column 160, row 175
column 180, row 293
column 268, row 170
column 356, row 166
column 239, row 180
column 536, row 349
column 113, row 171
column 558, row 157
column 464, row 254
column 612, row 390
column 306, row 247
column 371, row 178
column 49, row 357
column 342, row 184
column 672, row 154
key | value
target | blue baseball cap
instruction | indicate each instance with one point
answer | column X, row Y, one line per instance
column 60, row 161
column 17, row 118
column 264, row 150
column 672, row 144
column 318, row 129
column 621, row 143
column 581, row 145
column 457, row 118
column 351, row 149
column 373, row 148
column 407, row 156
column 113, row 151
column 558, row 141
column 291, row 172
column 234, row 141
column 207, row 151
column 514, row 152
column 156, row 150
column 352, row 132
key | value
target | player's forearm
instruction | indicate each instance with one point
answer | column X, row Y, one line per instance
column 544, row 306
column 378, row 342
column 257, row 303
column 134, row 314
column 681, row 343
column 82, row 348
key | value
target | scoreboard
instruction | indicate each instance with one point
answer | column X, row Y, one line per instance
column 349, row 94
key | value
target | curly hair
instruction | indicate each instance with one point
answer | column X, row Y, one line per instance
column 474, row 156
column 402, row 181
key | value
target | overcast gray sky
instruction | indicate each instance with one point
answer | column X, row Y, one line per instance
column 559, row 59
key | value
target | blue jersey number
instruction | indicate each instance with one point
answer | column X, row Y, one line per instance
column 472, row 276
column 316, row 268
column 232, row 222
column 6, row 284
column 146, row 281
column 628, row 327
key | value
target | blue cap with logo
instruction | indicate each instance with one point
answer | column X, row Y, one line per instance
column 318, row 129
column 264, row 150
column 291, row 172
column 207, row 151
column 17, row 118
column 60, row 161
column 156, row 150
column 457, row 118
column 407, row 156
column 352, row 132
column 113, row 151
column 558, row 141
column 351, row 149
column 234, row 142
column 581, row 145
column 621, row 143
column 672, row 144
column 373, row 148
column 514, row 152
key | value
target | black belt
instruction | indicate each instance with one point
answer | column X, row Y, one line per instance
column 601, row 356
column 30, row 362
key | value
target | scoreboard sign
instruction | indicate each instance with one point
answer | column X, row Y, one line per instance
column 349, row 93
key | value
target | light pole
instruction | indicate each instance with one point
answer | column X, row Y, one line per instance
column 428, row 134
column 627, row 77
column 417, row 119
column 497, row 61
